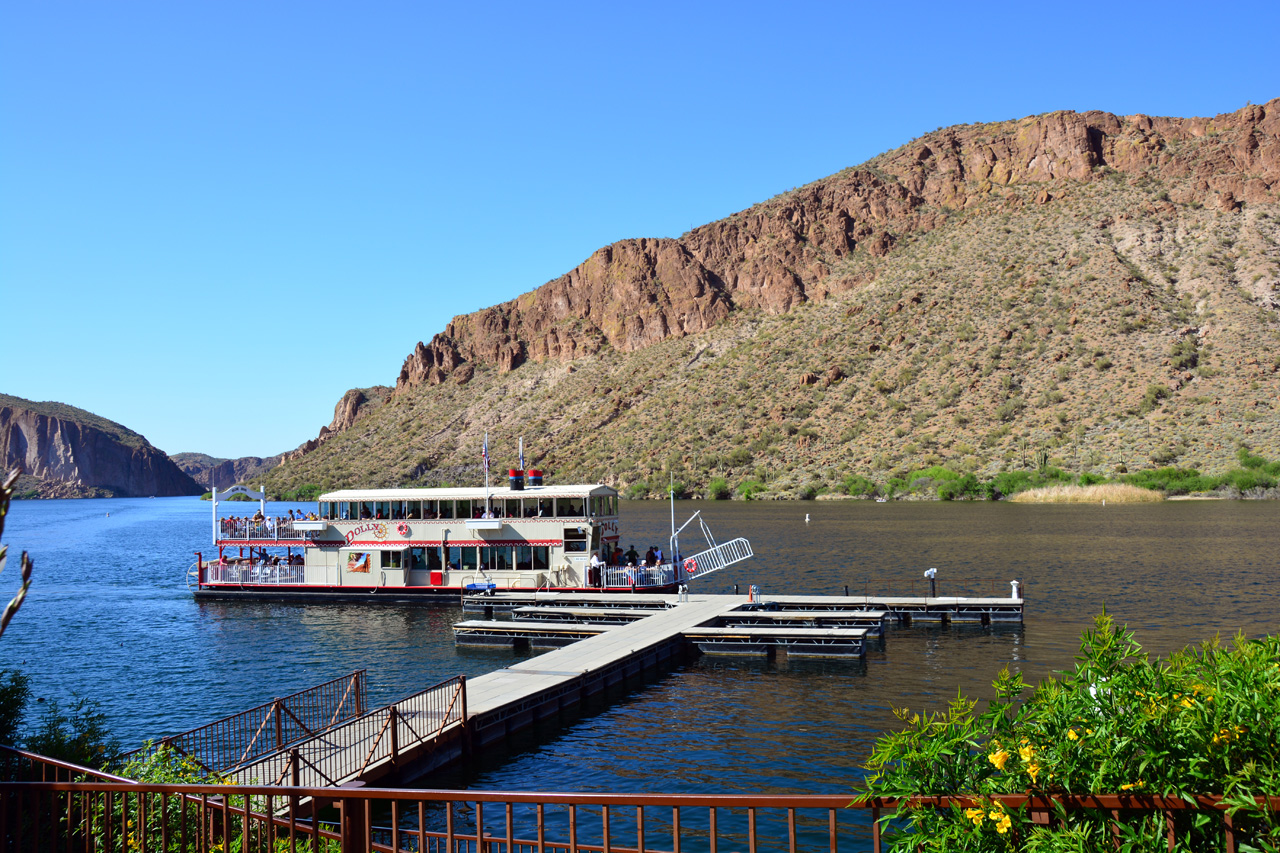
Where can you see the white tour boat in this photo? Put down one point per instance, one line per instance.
(400, 545)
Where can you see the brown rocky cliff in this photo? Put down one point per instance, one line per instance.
(354, 404)
(778, 254)
(61, 450)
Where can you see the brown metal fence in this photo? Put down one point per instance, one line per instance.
(241, 738)
(47, 805)
(78, 817)
(345, 752)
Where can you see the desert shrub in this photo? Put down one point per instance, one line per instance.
(936, 473)
(718, 489)
(637, 491)
(1090, 479)
(1245, 479)
(1184, 355)
(1172, 481)
(1152, 398)
(1248, 460)
(961, 488)
(1204, 721)
(856, 484)
(750, 489)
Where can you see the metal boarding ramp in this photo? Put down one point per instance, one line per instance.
(717, 557)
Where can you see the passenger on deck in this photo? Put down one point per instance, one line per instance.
(632, 555)
(364, 512)
(616, 557)
(650, 558)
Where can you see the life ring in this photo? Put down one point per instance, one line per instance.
(690, 566)
(402, 529)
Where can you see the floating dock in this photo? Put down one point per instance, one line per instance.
(599, 641)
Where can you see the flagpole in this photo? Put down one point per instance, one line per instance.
(487, 507)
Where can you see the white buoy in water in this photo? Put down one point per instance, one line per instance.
(806, 518)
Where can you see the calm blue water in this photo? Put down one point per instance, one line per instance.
(110, 617)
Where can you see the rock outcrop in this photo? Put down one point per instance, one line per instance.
(77, 452)
(778, 254)
(211, 471)
(1136, 206)
(354, 404)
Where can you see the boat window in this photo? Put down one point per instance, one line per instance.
(569, 507)
(392, 559)
(495, 558)
(512, 508)
(366, 509)
(382, 509)
(464, 558)
(415, 509)
(532, 558)
(430, 509)
(324, 509)
(463, 509)
(446, 509)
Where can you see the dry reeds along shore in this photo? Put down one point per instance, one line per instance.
(1113, 492)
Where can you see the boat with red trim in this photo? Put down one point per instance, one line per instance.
(398, 545)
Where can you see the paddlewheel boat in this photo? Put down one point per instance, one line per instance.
(398, 545)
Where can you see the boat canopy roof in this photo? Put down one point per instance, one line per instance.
(473, 494)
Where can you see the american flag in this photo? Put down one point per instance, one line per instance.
(484, 453)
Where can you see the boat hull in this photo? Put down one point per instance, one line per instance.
(377, 595)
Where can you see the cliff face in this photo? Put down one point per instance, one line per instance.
(209, 471)
(78, 457)
(1103, 289)
(779, 254)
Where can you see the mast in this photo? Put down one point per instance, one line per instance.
(484, 454)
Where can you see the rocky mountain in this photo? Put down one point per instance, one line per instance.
(1099, 288)
(210, 470)
(68, 452)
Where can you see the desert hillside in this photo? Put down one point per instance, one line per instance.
(1085, 290)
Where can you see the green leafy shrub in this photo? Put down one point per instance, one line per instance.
(856, 485)
(78, 735)
(1206, 721)
(1248, 460)
(961, 488)
(1090, 479)
(750, 489)
(718, 489)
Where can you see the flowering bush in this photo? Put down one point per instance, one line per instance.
(1206, 721)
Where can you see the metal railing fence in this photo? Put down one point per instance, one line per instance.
(107, 816)
(344, 752)
(241, 738)
(278, 529)
(255, 572)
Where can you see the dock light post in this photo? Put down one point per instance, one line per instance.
(1015, 585)
(932, 575)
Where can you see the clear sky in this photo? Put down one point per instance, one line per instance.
(215, 218)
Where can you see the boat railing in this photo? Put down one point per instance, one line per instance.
(275, 529)
(254, 572)
(625, 577)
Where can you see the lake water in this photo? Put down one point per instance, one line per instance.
(110, 617)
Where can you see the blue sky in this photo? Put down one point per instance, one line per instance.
(215, 218)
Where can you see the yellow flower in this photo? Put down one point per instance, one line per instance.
(1025, 753)
(995, 814)
(998, 758)
(1088, 731)
(1071, 735)
(974, 815)
(1187, 703)
(1033, 770)
(1131, 785)
(1002, 825)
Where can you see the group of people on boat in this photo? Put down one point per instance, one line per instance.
(240, 527)
(630, 557)
(261, 558)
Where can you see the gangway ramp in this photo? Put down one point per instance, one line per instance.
(716, 558)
